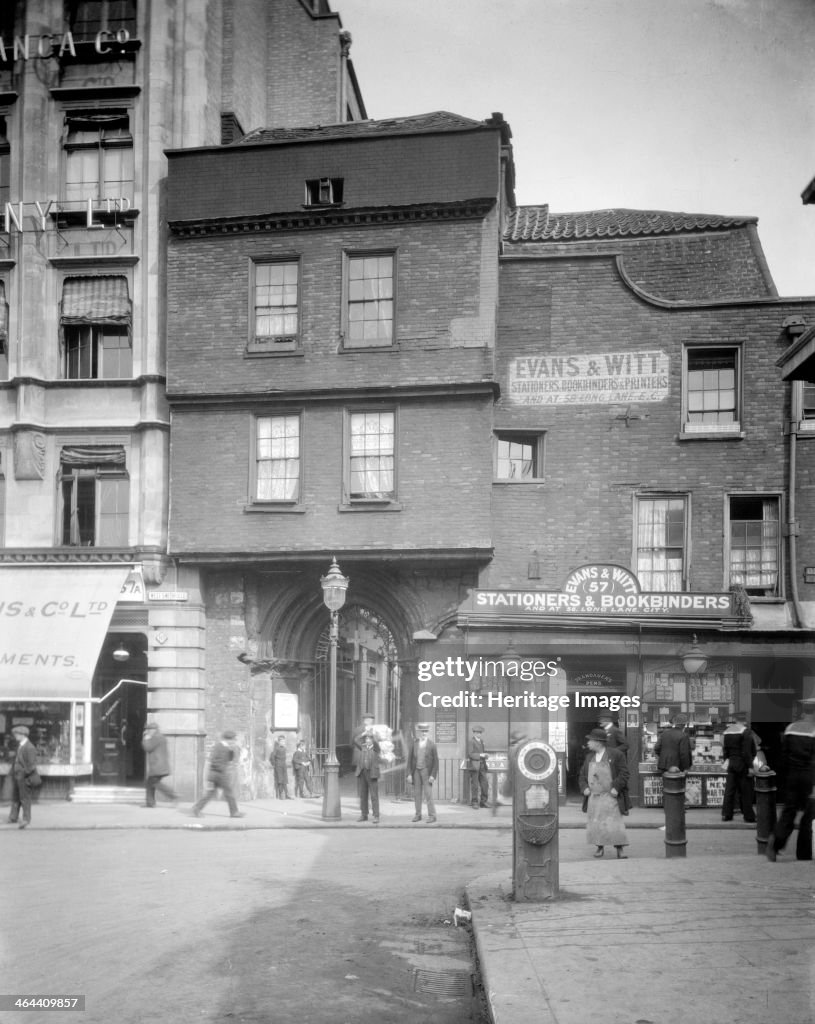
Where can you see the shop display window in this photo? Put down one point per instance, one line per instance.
(49, 725)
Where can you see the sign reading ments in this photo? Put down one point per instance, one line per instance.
(602, 590)
(595, 379)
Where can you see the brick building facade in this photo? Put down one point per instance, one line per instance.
(564, 438)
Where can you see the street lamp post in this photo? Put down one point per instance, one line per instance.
(334, 586)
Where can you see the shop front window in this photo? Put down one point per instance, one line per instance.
(49, 731)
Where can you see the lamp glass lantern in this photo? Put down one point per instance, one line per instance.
(694, 660)
(334, 586)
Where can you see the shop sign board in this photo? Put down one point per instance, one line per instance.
(53, 622)
(596, 378)
(601, 590)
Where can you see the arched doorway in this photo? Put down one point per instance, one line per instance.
(368, 680)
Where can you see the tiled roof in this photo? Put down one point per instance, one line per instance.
(538, 224)
(438, 120)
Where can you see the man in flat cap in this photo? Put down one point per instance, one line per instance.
(423, 768)
(798, 758)
(477, 768)
(23, 771)
(219, 775)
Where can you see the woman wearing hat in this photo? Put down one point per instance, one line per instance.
(603, 779)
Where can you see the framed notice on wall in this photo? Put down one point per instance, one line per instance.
(286, 711)
(446, 727)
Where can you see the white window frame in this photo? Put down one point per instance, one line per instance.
(708, 430)
(265, 453)
(350, 299)
(275, 342)
(352, 454)
(640, 500)
(776, 567)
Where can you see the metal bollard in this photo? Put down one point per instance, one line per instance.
(765, 807)
(673, 803)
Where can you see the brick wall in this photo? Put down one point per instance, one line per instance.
(443, 299)
(443, 473)
(595, 462)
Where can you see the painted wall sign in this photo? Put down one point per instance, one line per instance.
(602, 590)
(593, 379)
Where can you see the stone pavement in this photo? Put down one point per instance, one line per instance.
(649, 941)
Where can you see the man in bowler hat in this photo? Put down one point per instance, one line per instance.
(423, 767)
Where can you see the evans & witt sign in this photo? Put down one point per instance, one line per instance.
(599, 590)
(594, 379)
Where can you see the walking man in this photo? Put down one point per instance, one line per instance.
(798, 756)
(219, 775)
(22, 770)
(154, 744)
(739, 747)
(423, 767)
(477, 769)
(367, 773)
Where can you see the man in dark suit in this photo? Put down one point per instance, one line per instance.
(367, 773)
(673, 747)
(154, 744)
(616, 740)
(477, 768)
(219, 775)
(25, 764)
(423, 768)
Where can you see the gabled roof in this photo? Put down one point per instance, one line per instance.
(538, 224)
(437, 121)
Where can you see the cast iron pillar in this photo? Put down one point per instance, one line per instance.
(535, 858)
(765, 807)
(673, 803)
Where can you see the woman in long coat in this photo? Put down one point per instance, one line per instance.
(603, 779)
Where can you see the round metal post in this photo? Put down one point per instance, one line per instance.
(673, 803)
(332, 808)
(765, 807)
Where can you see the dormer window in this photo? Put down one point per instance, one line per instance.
(324, 191)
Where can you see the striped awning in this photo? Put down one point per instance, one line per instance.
(96, 300)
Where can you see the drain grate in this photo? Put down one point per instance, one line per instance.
(443, 983)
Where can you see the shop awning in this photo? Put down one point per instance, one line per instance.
(53, 621)
(97, 300)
